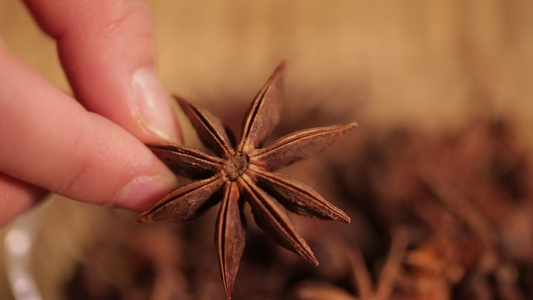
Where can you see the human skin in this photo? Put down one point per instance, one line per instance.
(90, 146)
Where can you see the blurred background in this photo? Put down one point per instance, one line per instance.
(430, 65)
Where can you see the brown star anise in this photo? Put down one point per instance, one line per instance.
(244, 172)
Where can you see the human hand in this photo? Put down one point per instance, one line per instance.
(95, 152)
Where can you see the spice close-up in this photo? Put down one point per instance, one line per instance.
(243, 172)
(266, 150)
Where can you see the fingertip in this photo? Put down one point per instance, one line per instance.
(144, 191)
(152, 106)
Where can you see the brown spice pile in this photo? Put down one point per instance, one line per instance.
(445, 216)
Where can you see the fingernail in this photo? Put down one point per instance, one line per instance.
(152, 104)
(143, 192)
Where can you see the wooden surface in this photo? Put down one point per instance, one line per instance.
(401, 59)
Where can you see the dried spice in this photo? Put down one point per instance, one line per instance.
(243, 172)
(464, 198)
(362, 281)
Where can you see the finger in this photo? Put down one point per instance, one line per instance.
(51, 141)
(107, 50)
(16, 197)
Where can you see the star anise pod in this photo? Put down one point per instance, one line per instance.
(244, 172)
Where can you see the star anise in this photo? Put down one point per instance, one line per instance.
(244, 172)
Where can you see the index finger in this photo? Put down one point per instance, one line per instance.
(108, 52)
